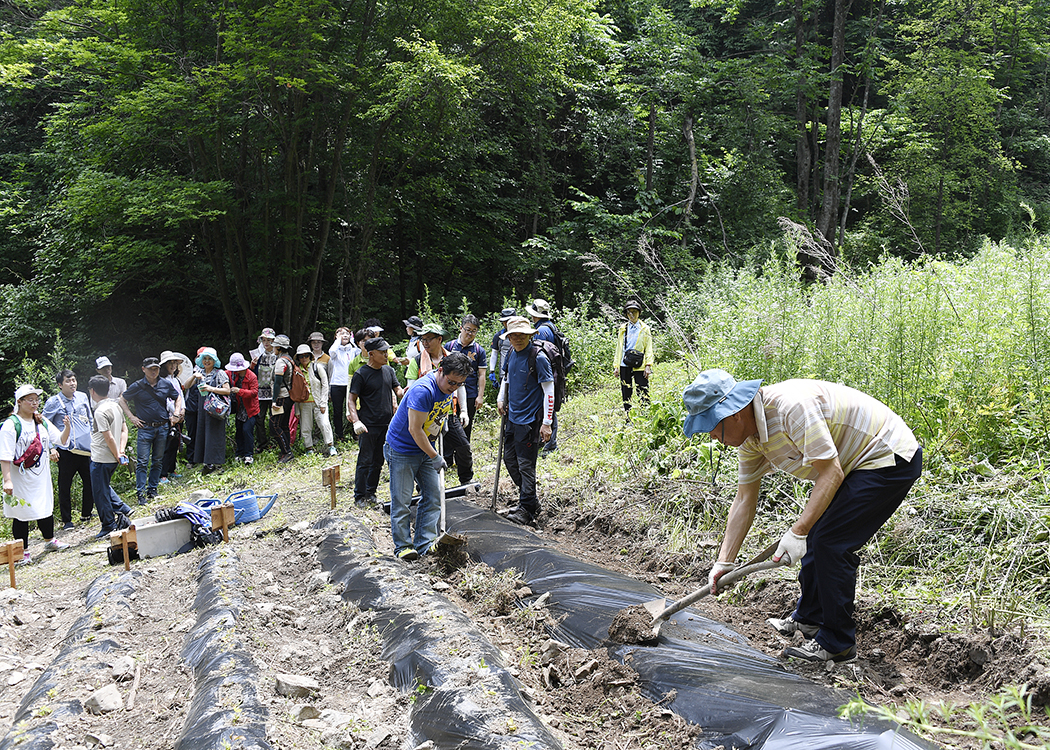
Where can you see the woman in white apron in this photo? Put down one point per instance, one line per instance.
(28, 492)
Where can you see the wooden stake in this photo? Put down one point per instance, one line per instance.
(330, 478)
(124, 546)
(134, 687)
(223, 518)
(14, 552)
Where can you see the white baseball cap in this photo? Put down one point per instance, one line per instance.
(25, 390)
(102, 362)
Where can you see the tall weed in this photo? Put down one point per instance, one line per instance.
(958, 349)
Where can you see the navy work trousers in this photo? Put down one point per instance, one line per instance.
(828, 576)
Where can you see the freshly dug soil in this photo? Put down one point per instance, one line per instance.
(632, 625)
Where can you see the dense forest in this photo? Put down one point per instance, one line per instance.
(175, 172)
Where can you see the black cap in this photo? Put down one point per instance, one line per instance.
(413, 321)
(373, 345)
(151, 362)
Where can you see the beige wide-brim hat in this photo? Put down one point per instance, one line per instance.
(540, 308)
(518, 324)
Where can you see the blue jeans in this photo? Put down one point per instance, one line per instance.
(151, 440)
(405, 471)
(107, 501)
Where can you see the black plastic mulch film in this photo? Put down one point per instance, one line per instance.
(741, 697)
(225, 710)
(464, 697)
(83, 650)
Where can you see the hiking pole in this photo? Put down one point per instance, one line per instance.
(499, 461)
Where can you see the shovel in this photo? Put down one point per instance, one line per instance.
(660, 611)
(452, 540)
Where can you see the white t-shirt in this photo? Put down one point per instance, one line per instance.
(33, 497)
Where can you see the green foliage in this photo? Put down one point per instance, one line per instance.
(962, 360)
(41, 373)
(1008, 720)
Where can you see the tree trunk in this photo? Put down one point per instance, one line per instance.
(938, 214)
(858, 141)
(803, 154)
(827, 221)
(694, 178)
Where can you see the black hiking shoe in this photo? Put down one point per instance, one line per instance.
(522, 516)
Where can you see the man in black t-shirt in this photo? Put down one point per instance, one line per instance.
(375, 384)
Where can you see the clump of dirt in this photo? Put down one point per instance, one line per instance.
(489, 590)
(594, 697)
(632, 625)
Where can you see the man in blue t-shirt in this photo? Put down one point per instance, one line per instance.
(540, 312)
(526, 396)
(151, 417)
(410, 452)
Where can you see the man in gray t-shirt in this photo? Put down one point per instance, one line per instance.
(109, 440)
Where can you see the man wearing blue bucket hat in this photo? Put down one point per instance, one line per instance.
(862, 460)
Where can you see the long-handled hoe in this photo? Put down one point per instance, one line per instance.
(659, 610)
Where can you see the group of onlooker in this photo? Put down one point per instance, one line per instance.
(349, 392)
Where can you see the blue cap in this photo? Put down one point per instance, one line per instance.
(712, 397)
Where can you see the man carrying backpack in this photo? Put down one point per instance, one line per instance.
(540, 312)
(526, 397)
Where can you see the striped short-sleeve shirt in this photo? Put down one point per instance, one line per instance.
(800, 421)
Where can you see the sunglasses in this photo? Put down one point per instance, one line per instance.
(455, 383)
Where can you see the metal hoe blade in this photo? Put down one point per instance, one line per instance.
(660, 611)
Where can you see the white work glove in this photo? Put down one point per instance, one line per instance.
(359, 427)
(719, 570)
(791, 549)
(464, 419)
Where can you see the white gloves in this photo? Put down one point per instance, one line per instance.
(791, 549)
(464, 419)
(719, 570)
(359, 427)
